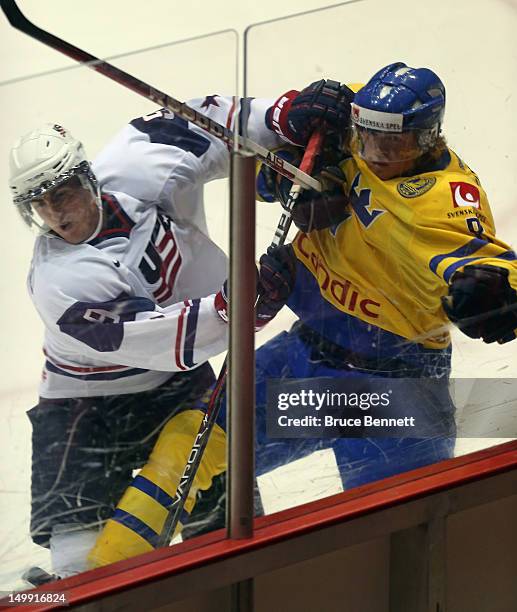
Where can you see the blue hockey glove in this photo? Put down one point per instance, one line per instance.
(295, 115)
(475, 293)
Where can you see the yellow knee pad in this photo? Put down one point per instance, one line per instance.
(141, 513)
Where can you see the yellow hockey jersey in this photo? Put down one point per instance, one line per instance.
(389, 262)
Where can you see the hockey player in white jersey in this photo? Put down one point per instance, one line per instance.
(127, 284)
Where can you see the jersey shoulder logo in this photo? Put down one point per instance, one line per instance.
(416, 186)
(465, 194)
(210, 101)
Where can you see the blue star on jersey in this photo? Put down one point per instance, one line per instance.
(210, 101)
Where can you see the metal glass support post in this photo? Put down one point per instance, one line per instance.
(241, 370)
(241, 363)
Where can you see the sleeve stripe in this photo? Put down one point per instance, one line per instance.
(137, 526)
(449, 271)
(179, 339)
(467, 249)
(190, 336)
(106, 375)
(84, 369)
(463, 253)
(186, 335)
(158, 494)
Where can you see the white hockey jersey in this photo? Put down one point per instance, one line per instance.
(136, 302)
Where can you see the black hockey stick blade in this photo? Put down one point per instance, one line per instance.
(18, 20)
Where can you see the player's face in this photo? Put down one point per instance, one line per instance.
(388, 155)
(70, 210)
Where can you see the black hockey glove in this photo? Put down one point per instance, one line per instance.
(295, 115)
(275, 282)
(316, 211)
(277, 275)
(482, 303)
(313, 210)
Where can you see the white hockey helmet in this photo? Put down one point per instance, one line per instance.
(43, 159)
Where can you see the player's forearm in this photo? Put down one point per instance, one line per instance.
(257, 129)
(175, 338)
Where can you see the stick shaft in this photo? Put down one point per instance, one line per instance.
(307, 164)
(194, 460)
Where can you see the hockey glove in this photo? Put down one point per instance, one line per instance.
(482, 303)
(313, 210)
(317, 211)
(275, 281)
(295, 115)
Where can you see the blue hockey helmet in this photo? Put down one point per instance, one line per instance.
(417, 94)
(400, 99)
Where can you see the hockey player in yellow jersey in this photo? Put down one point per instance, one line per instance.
(385, 260)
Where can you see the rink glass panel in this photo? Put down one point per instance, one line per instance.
(347, 43)
(94, 109)
(350, 43)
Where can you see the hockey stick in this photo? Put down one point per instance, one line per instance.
(307, 164)
(18, 20)
(214, 404)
